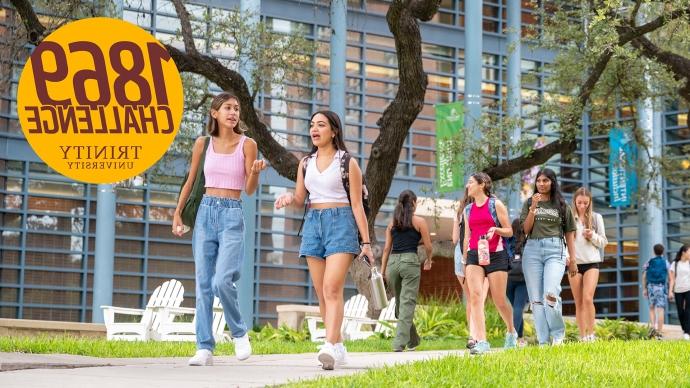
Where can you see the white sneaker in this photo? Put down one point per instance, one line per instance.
(243, 349)
(686, 337)
(203, 357)
(327, 356)
(340, 354)
(557, 341)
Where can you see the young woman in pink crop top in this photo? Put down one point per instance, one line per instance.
(218, 240)
(329, 240)
(487, 216)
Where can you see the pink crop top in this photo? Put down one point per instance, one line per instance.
(225, 171)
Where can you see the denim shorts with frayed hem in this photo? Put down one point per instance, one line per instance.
(329, 231)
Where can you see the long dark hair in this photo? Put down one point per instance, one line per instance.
(681, 251)
(519, 235)
(336, 127)
(216, 103)
(404, 210)
(482, 177)
(555, 196)
(462, 203)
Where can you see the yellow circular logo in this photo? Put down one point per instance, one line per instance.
(104, 109)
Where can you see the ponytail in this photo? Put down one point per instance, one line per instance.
(404, 210)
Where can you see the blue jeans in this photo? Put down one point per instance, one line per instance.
(517, 295)
(329, 231)
(218, 247)
(543, 263)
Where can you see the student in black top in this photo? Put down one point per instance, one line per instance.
(403, 269)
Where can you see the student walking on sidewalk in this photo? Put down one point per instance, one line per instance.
(335, 215)
(402, 267)
(655, 277)
(680, 288)
(516, 289)
(548, 222)
(487, 220)
(458, 237)
(590, 240)
(230, 166)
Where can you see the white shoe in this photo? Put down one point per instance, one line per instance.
(686, 337)
(203, 357)
(340, 354)
(243, 349)
(327, 356)
(557, 341)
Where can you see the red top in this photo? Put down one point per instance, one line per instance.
(480, 222)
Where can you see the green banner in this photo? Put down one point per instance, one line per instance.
(449, 158)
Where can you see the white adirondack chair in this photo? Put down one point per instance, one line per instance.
(186, 331)
(355, 307)
(382, 325)
(168, 294)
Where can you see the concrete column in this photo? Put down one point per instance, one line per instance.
(252, 10)
(104, 251)
(104, 257)
(337, 76)
(514, 100)
(651, 216)
(473, 70)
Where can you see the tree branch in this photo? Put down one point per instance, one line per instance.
(185, 27)
(565, 144)
(397, 118)
(679, 65)
(34, 28)
(282, 160)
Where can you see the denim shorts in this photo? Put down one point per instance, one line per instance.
(329, 231)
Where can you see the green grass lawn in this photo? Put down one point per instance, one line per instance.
(117, 349)
(599, 364)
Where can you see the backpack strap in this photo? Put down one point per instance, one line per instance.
(345, 173)
(492, 210)
(305, 161)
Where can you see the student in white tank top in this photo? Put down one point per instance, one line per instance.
(680, 288)
(329, 241)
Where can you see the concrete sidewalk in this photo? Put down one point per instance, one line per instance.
(59, 370)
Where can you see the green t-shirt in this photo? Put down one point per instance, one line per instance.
(547, 220)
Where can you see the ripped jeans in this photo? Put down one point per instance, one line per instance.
(543, 263)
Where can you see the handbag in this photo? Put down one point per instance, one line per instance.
(191, 206)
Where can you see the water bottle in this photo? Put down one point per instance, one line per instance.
(378, 289)
(483, 250)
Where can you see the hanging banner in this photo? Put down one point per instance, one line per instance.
(622, 160)
(449, 159)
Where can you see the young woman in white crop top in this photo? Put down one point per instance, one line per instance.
(230, 166)
(589, 240)
(329, 241)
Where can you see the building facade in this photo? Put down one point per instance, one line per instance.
(47, 222)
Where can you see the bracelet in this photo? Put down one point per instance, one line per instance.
(366, 243)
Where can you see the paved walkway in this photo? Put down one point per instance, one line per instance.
(58, 370)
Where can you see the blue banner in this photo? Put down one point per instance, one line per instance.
(622, 161)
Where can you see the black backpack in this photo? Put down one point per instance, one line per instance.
(345, 176)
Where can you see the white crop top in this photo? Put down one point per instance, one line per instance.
(326, 186)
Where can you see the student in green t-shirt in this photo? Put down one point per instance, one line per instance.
(548, 221)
